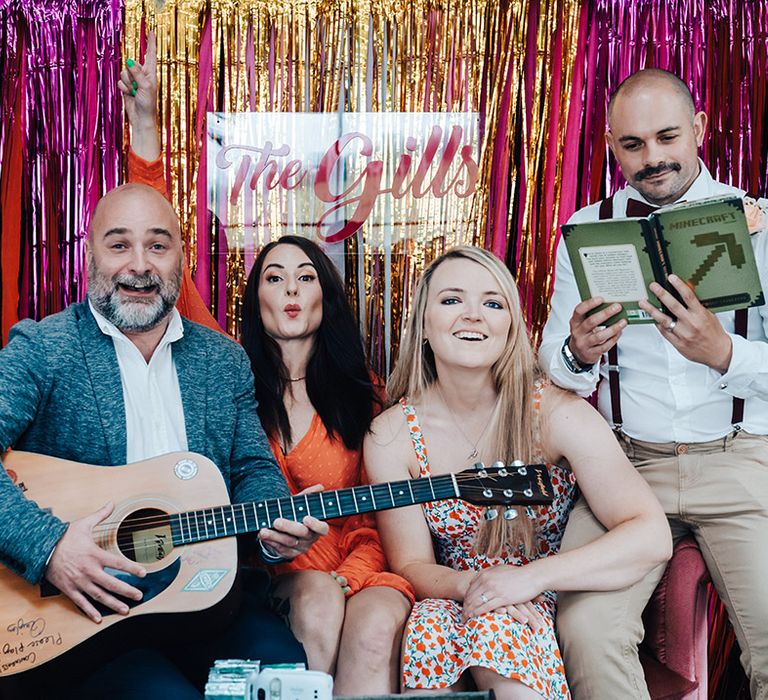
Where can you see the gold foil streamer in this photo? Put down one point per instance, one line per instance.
(390, 55)
(539, 245)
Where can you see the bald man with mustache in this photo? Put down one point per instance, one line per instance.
(690, 409)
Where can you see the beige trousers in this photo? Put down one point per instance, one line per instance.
(717, 491)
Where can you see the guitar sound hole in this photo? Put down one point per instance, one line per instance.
(145, 536)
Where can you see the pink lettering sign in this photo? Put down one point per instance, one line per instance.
(348, 179)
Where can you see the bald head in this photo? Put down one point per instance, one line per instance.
(653, 80)
(655, 134)
(120, 202)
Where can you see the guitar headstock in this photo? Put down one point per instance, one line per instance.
(514, 484)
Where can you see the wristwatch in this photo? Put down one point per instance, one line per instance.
(268, 556)
(571, 362)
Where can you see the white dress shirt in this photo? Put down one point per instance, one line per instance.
(154, 414)
(665, 397)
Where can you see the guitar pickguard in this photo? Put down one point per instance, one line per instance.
(153, 584)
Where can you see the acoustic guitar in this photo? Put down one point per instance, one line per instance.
(164, 518)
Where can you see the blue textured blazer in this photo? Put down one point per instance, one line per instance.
(61, 395)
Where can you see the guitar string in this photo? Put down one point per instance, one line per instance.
(161, 519)
(151, 547)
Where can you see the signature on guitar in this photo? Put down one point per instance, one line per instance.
(24, 651)
(35, 627)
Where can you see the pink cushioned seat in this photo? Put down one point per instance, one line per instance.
(674, 651)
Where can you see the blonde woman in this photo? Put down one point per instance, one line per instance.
(467, 391)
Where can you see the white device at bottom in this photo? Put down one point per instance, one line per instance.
(290, 684)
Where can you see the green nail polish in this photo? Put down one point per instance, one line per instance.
(134, 83)
(133, 92)
(130, 63)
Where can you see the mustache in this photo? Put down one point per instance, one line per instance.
(652, 170)
(146, 280)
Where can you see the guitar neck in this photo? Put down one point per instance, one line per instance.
(240, 518)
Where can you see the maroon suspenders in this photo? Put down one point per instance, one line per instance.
(606, 212)
(740, 327)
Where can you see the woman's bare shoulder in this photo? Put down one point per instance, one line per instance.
(568, 419)
(387, 426)
(555, 400)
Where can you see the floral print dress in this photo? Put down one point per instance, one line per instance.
(438, 646)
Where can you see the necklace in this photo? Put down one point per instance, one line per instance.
(296, 379)
(474, 453)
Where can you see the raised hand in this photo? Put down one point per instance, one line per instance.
(138, 84)
(697, 334)
(77, 568)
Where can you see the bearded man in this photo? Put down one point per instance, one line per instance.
(118, 379)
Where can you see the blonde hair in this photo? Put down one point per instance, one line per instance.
(513, 421)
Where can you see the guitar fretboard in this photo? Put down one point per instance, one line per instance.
(240, 518)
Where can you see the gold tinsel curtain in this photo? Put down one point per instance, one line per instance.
(510, 62)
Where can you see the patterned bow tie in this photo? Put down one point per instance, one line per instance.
(637, 208)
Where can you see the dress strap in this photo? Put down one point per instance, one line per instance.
(417, 437)
(536, 398)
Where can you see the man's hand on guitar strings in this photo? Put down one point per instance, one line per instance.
(288, 539)
(77, 566)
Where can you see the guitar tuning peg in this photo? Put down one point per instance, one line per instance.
(498, 464)
(522, 471)
(529, 512)
(488, 493)
(508, 493)
(510, 514)
(491, 514)
(528, 492)
(517, 463)
(478, 466)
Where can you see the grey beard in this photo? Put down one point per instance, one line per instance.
(132, 315)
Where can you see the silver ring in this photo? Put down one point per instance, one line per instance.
(484, 597)
(671, 326)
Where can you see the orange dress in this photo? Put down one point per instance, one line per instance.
(352, 547)
(190, 304)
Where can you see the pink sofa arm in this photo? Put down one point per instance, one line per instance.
(676, 627)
